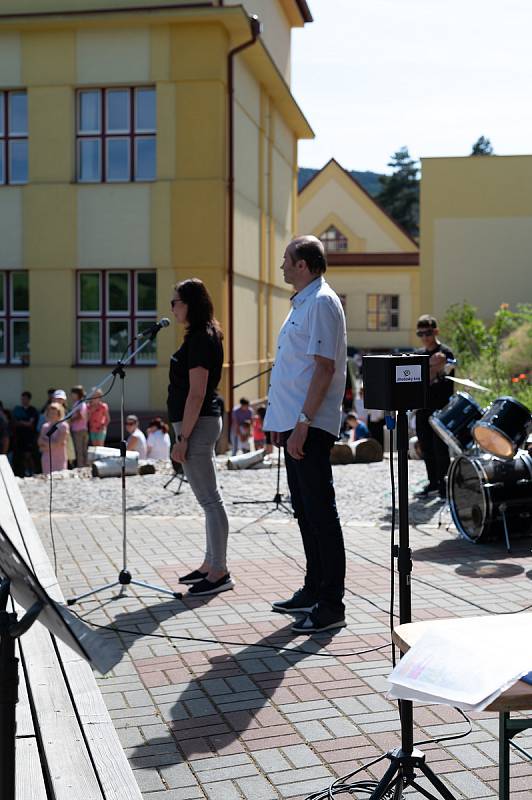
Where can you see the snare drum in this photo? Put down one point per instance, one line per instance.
(486, 492)
(503, 428)
(453, 423)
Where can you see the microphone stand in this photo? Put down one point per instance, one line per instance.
(124, 576)
(277, 498)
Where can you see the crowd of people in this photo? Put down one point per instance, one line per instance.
(38, 441)
(42, 441)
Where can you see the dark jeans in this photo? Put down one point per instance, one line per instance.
(312, 493)
(435, 451)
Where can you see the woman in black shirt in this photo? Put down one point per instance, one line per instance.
(194, 411)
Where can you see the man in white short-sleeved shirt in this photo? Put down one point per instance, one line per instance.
(304, 415)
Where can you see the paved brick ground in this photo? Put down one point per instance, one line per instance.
(201, 719)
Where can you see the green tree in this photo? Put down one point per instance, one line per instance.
(482, 147)
(399, 195)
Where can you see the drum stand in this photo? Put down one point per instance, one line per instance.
(406, 759)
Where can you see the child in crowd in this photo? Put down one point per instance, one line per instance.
(259, 437)
(99, 419)
(54, 448)
(79, 425)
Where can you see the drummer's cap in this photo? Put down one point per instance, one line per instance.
(426, 321)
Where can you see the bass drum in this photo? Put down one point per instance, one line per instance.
(483, 489)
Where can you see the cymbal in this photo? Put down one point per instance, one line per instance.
(467, 382)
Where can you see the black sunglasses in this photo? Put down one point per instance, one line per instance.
(425, 333)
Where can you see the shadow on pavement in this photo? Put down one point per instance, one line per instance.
(228, 701)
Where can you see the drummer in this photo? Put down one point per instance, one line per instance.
(435, 451)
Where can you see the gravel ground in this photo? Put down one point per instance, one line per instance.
(363, 493)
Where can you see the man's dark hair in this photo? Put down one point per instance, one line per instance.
(244, 401)
(426, 321)
(312, 253)
(26, 394)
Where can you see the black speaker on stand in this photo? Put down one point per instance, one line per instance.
(399, 384)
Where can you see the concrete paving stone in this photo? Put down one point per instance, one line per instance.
(176, 776)
(221, 762)
(304, 788)
(256, 788)
(301, 755)
(149, 781)
(469, 784)
(350, 705)
(341, 727)
(224, 790)
(469, 756)
(272, 760)
(137, 699)
(226, 773)
(186, 793)
(131, 737)
(313, 731)
(299, 775)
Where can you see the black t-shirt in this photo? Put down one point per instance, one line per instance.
(200, 349)
(441, 388)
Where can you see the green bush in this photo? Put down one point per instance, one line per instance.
(497, 355)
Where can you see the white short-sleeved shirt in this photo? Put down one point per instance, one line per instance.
(315, 326)
(140, 442)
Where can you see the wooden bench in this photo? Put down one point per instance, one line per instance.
(66, 747)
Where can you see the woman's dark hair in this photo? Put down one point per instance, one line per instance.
(158, 423)
(200, 313)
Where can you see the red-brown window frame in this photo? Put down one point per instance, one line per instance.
(339, 238)
(103, 136)
(104, 316)
(6, 137)
(377, 312)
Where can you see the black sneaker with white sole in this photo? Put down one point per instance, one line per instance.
(193, 577)
(300, 602)
(205, 587)
(315, 623)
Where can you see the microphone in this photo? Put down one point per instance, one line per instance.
(154, 329)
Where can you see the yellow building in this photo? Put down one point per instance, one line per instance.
(476, 232)
(141, 142)
(373, 263)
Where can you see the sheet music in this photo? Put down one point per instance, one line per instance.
(463, 664)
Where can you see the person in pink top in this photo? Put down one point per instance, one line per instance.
(56, 445)
(99, 419)
(79, 425)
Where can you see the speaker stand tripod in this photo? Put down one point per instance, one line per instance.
(405, 760)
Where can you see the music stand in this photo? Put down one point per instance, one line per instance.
(21, 582)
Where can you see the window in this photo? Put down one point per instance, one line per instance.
(333, 240)
(14, 318)
(116, 131)
(383, 312)
(13, 137)
(113, 307)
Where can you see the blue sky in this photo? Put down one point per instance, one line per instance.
(434, 75)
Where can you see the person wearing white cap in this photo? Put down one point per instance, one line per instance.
(60, 397)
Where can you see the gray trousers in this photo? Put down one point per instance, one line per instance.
(200, 472)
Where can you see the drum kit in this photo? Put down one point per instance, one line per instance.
(489, 482)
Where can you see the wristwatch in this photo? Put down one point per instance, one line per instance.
(181, 438)
(304, 418)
